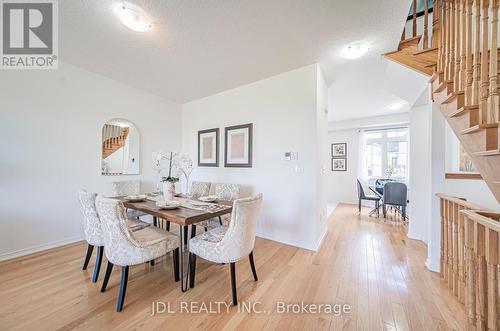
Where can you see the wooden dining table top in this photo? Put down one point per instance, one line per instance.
(181, 215)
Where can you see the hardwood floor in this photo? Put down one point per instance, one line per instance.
(365, 262)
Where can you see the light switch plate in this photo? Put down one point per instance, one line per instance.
(299, 169)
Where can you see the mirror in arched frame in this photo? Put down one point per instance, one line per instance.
(120, 148)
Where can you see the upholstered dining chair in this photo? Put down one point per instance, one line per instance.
(128, 187)
(228, 244)
(93, 231)
(125, 248)
(199, 189)
(227, 192)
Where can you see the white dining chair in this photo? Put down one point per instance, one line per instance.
(128, 187)
(228, 244)
(125, 248)
(199, 189)
(93, 231)
(227, 192)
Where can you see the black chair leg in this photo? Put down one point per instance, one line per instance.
(123, 289)
(90, 248)
(185, 235)
(109, 268)
(220, 220)
(403, 213)
(378, 208)
(252, 265)
(193, 231)
(155, 221)
(192, 269)
(359, 205)
(233, 283)
(98, 261)
(175, 258)
(168, 225)
(384, 210)
(206, 229)
(152, 262)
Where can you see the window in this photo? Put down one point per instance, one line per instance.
(385, 154)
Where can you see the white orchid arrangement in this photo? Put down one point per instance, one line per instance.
(178, 164)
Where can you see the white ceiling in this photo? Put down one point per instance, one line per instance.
(199, 48)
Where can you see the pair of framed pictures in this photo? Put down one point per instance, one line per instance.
(339, 157)
(237, 147)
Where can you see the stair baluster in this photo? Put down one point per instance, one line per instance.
(448, 40)
(481, 300)
(476, 82)
(493, 99)
(426, 24)
(485, 82)
(468, 54)
(435, 40)
(453, 43)
(463, 35)
(457, 19)
(492, 262)
(414, 32)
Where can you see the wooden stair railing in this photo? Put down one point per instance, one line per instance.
(114, 138)
(462, 59)
(470, 237)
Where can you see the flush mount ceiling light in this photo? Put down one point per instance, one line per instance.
(355, 50)
(396, 105)
(133, 17)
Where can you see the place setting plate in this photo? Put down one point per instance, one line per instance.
(135, 198)
(208, 198)
(168, 205)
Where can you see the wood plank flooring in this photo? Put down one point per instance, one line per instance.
(365, 262)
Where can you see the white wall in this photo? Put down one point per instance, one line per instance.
(342, 184)
(420, 171)
(321, 156)
(283, 111)
(50, 143)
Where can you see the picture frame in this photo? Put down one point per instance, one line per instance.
(339, 164)
(238, 146)
(208, 148)
(339, 150)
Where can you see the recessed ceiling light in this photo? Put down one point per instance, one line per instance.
(355, 50)
(396, 105)
(133, 17)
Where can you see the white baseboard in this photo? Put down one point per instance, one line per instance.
(298, 244)
(320, 240)
(432, 266)
(38, 248)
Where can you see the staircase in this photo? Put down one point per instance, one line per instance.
(113, 138)
(460, 55)
(456, 54)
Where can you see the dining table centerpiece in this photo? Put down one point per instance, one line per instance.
(172, 178)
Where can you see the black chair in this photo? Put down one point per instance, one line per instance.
(363, 196)
(395, 194)
(380, 183)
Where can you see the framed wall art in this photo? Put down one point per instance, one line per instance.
(238, 146)
(208, 148)
(339, 164)
(339, 150)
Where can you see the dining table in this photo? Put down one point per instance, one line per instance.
(190, 212)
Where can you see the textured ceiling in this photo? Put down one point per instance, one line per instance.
(199, 48)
